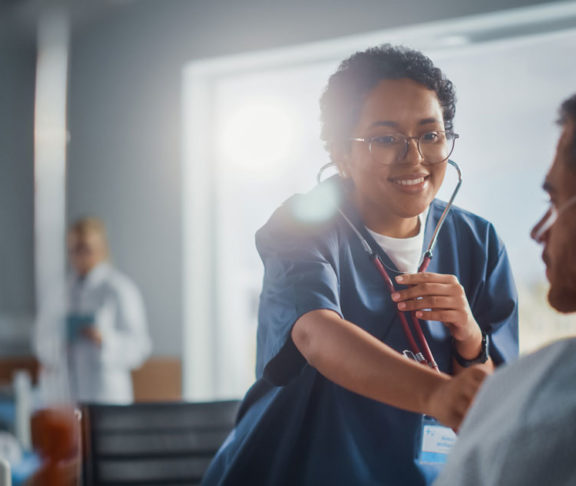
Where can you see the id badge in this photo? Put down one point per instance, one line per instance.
(436, 441)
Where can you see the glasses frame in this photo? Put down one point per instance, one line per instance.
(550, 217)
(449, 136)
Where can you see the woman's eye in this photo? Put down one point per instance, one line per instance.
(386, 140)
(431, 137)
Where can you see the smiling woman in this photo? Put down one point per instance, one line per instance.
(331, 379)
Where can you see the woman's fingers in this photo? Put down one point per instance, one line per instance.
(436, 297)
(429, 302)
(422, 284)
(422, 290)
(426, 277)
(447, 316)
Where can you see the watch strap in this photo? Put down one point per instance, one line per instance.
(481, 358)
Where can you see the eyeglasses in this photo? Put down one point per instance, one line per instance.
(434, 147)
(549, 218)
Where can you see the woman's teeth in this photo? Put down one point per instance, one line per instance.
(409, 182)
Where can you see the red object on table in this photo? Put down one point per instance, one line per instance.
(56, 439)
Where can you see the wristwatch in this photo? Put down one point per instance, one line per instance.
(481, 358)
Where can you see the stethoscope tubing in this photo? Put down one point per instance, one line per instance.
(422, 353)
(432, 244)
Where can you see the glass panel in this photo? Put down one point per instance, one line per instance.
(263, 146)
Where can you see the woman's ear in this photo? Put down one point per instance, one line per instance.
(342, 158)
(342, 161)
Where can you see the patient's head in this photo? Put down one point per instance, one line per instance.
(557, 229)
(87, 244)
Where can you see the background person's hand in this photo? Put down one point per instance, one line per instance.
(93, 334)
(450, 401)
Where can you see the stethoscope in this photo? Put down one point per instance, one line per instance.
(419, 352)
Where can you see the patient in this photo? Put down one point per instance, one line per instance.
(521, 429)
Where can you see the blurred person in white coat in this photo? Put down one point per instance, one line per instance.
(104, 334)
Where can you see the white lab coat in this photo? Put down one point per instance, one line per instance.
(98, 373)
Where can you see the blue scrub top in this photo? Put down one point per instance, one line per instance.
(296, 427)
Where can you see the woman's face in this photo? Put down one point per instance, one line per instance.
(389, 197)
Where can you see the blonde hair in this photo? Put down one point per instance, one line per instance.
(90, 225)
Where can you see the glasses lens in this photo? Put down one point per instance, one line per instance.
(388, 149)
(436, 147)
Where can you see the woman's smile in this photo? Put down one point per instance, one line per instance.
(410, 184)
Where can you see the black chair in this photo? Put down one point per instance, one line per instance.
(149, 444)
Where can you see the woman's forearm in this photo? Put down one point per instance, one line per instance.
(357, 361)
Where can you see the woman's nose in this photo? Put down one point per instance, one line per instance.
(411, 153)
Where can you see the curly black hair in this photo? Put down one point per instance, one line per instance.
(568, 111)
(343, 97)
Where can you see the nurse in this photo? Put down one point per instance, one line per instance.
(335, 402)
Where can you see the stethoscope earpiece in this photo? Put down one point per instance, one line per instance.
(322, 170)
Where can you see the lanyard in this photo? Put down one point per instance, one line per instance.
(420, 352)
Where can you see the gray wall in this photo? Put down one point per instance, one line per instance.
(17, 65)
(125, 117)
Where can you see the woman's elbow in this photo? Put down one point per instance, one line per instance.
(307, 334)
(302, 337)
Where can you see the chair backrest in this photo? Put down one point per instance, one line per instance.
(152, 443)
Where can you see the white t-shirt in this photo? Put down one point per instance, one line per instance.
(406, 253)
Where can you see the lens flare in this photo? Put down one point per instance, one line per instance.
(257, 138)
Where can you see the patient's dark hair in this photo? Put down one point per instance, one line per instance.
(568, 112)
(343, 98)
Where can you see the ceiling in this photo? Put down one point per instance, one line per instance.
(19, 17)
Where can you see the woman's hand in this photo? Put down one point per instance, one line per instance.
(450, 401)
(438, 297)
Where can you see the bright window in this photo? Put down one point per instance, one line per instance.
(252, 126)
